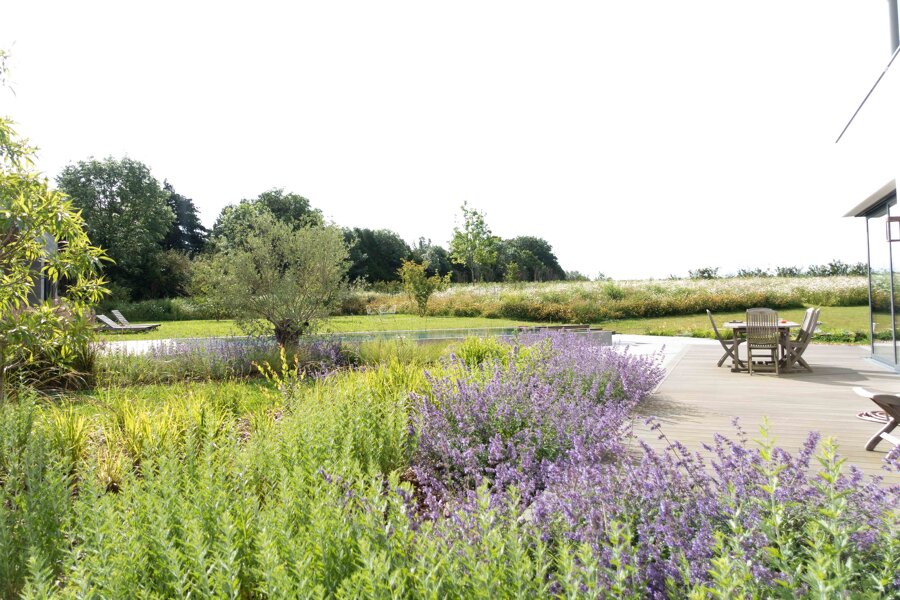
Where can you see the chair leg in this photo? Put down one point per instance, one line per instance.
(873, 441)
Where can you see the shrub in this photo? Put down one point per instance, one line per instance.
(505, 420)
(418, 285)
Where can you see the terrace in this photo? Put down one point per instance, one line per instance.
(697, 400)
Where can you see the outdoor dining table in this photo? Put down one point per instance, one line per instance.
(739, 328)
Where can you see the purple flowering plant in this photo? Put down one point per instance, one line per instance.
(507, 421)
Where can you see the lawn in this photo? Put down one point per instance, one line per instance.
(835, 320)
(197, 329)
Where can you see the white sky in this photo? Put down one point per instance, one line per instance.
(641, 139)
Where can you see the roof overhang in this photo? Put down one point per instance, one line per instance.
(866, 205)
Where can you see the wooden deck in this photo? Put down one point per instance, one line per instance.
(697, 400)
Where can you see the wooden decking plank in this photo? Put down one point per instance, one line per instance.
(698, 400)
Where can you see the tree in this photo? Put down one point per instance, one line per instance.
(235, 221)
(187, 234)
(532, 257)
(436, 257)
(418, 285)
(31, 214)
(279, 278)
(474, 246)
(375, 255)
(126, 212)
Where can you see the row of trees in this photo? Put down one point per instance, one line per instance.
(835, 268)
(152, 233)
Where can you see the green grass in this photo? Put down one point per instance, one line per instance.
(834, 320)
(844, 323)
(196, 329)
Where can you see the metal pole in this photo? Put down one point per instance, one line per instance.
(895, 29)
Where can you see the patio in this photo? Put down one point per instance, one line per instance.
(697, 400)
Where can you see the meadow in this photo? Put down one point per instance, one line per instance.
(605, 301)
(479, 468)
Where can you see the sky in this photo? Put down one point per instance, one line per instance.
(640, 139)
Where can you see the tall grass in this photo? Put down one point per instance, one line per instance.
(594, 302)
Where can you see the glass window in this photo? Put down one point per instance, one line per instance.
(881, 282)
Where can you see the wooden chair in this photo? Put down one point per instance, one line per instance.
(795, 347)
(763, 336)
(890, 404)
(729, 345)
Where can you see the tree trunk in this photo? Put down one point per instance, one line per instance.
(288, 333)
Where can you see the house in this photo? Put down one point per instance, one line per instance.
(43, 289)
(870, 156)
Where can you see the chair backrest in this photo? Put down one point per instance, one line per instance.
(119, 317)
(712, 322)
(108, 322)
(762, 326)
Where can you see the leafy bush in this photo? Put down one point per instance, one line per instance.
(704, 273)
(166, 309)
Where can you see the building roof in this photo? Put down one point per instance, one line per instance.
(882, 193)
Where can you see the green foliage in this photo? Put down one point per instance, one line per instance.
(126, 212)
(474, 246)
(42, 239)
(281, 278)
(236, 223)
(375, 255)
(704, 273)
(187, 234)
(533, 258)
(418, 286)
(576, 276)
(437, 257)
(474, 351)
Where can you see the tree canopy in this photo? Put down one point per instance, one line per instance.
(186, 234)
(126, 212)
(530, 257)
(473, 245)
(279, 278)
(375, 254)
(235, 221)
(436, 257)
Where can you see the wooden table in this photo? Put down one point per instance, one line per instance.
(739, 329)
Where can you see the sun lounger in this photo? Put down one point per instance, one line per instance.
(890, 404)
(110, 325)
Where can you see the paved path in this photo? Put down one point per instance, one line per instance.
(697, 400)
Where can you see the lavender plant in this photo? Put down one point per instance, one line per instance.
(507, 421)
(755, 522)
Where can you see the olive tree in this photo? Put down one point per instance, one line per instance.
(42, 238)
(280, 278)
